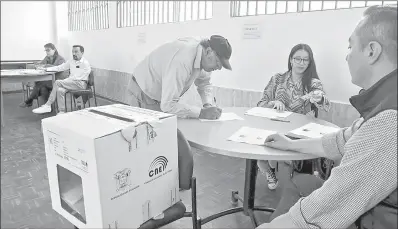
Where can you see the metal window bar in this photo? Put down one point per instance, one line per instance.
(136, 13)
(235, 7)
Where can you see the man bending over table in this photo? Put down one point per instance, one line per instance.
(79, 71)
(362, 190)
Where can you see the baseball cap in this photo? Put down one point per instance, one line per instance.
(221, 46)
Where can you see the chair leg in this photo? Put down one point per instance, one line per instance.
(95, 97)
(89, 105)
(74, 102)
(66, 107)
(195, 217)
(71, 98)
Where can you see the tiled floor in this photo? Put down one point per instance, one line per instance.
(25, 196)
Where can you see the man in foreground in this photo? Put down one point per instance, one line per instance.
(362, 190)
(79, 71)
(161, 79)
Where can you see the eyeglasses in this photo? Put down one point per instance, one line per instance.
(298, 60)
(47, 50)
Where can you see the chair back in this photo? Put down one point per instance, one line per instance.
(90, 82)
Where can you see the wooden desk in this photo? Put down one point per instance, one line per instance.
(212, 137)
(22, 76)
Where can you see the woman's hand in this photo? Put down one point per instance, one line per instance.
(278, 105)
(313, 97)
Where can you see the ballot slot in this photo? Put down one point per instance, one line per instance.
(71, 193)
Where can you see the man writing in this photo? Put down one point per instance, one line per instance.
(362, 190)
(159, 81)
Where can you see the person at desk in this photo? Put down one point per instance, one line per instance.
(43, 88)
(298, 90)
(168, 72)
(79, 72)
(361, 191)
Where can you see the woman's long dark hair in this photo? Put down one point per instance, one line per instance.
(52, 46)
(310, 73)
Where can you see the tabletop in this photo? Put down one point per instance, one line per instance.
(23, 72)
(212, 136)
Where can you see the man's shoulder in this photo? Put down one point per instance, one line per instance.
(85, 61)
(381, 119)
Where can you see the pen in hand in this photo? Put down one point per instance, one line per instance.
(279, 120)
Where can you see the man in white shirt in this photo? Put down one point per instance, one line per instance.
(168, 72)
(79, 71)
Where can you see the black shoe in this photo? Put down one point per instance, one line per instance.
(24, 104)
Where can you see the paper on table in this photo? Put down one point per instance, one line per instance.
(267, 112)
(224, 117)
(251, 136)
(313, 130)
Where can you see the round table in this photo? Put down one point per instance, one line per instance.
(211, 136)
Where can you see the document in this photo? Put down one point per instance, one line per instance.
(312, 130)
(267, 112)
(251, 136)
(224, 117)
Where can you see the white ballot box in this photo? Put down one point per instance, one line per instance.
(112, 166)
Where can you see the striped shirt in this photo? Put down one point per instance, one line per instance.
(282, 88)
(169, 71)
(367, 174)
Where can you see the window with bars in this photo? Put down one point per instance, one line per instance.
(250, 8)
(136, 13)
(88, 15)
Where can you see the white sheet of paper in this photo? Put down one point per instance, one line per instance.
(224, 117)
(267, 112)
(313, 130)
(251, 136)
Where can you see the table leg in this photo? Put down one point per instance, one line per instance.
(250, 185)
(2, 108)
(250, 189)
(248, 199)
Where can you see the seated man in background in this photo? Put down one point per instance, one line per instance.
(159, 81)
(362, 189)
(79, 71)
(43, 88)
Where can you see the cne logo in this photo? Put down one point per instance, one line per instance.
(158, 166)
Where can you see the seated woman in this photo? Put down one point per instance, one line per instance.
(298, 90)
(43, 88)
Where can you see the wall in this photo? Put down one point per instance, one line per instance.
(25, 28)
(253, 61)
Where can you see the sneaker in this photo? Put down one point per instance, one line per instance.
(43, 109)
(272, 180)
(24, 104)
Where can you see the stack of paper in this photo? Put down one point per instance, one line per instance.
(268, 112)
(312, 130)
(251, 136)
(224, 117)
